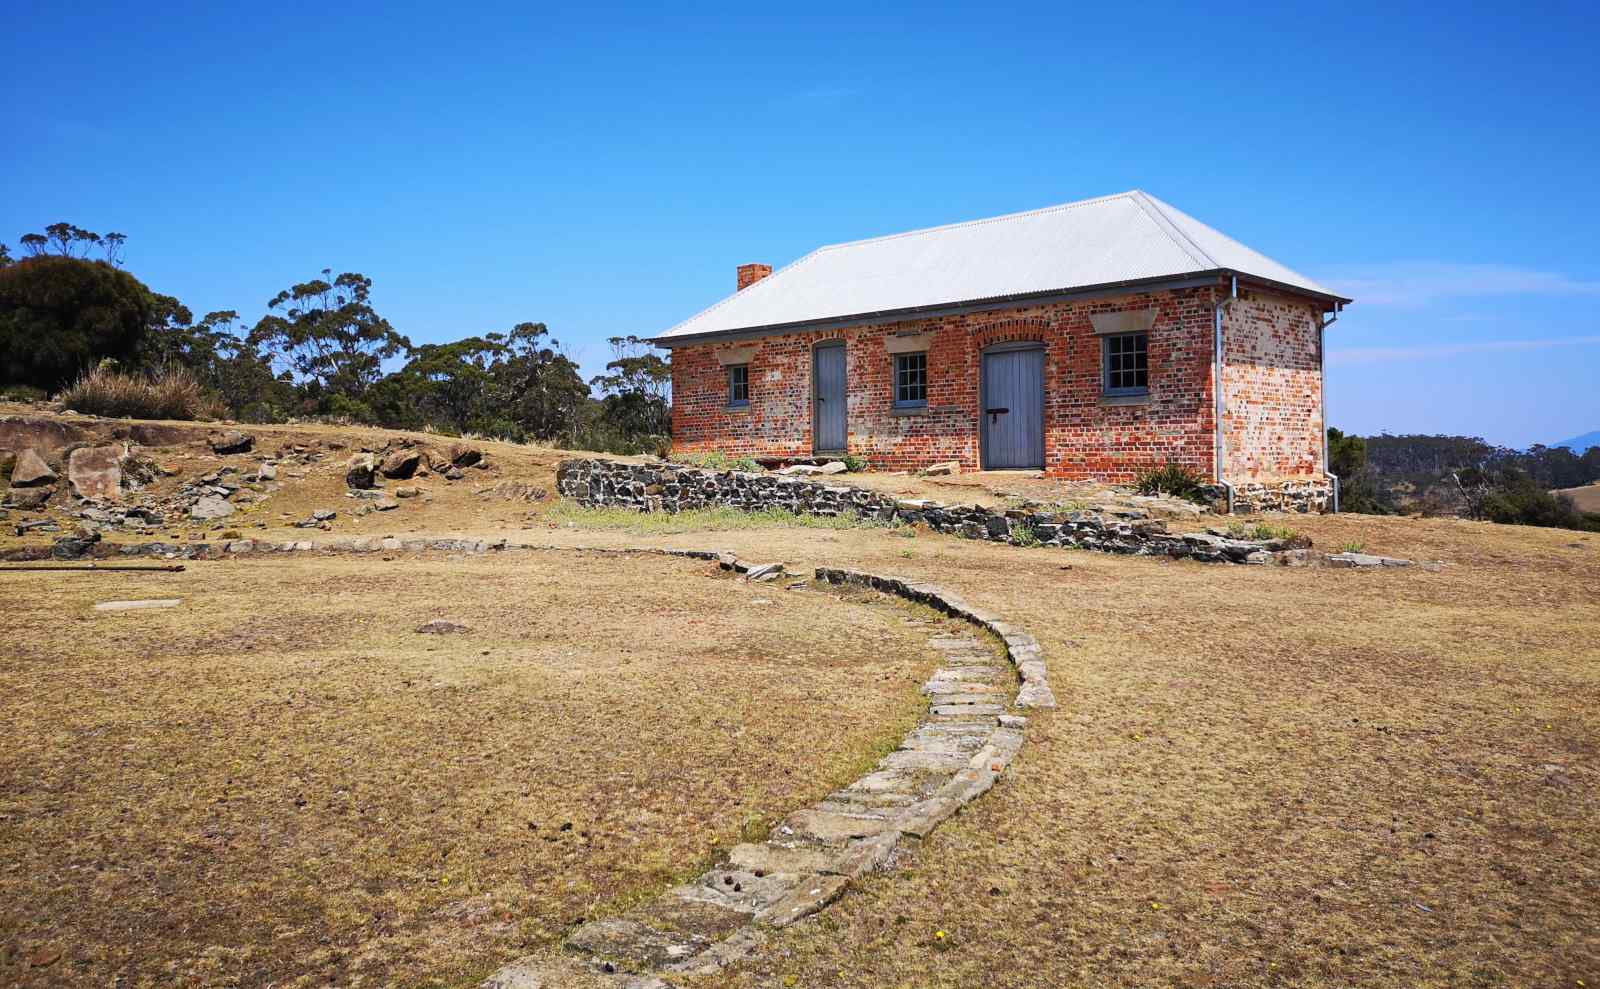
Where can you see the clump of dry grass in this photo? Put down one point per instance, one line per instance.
(171, 393)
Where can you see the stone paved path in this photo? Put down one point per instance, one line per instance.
(967, 738)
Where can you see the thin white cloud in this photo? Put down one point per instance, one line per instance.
(816, 98)
(1383, 355)
(1416, 284)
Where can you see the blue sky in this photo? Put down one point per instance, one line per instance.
(603, 170)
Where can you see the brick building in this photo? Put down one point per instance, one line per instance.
(1090, 340)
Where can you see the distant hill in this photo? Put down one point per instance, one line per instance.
(1578, 444)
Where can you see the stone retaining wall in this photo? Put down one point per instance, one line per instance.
(668, 487)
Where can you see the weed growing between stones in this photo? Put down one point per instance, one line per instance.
(716, 460)
(1261, 530)
(570, 513)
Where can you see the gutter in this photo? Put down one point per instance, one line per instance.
(1219, 446)
(1322, 362)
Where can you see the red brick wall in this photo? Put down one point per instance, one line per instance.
(1084, 436)
(1272, 388)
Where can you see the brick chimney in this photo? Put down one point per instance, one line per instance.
(749, 274)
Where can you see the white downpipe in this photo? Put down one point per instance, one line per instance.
(1322, 370)
(1220, 446)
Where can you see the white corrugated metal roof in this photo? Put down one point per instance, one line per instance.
(1127, 237)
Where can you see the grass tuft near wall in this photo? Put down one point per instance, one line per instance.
(567, 512)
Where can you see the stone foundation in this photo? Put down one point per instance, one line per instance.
(1302, 495)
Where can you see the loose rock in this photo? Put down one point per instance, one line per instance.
(401, 464)
(211, 507)
(30, 471)
(95, 472)
(361, 473)
(231, 441)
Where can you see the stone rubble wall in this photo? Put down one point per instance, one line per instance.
(668, 487)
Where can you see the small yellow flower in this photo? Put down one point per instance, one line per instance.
(1154, 905)
(939, 934)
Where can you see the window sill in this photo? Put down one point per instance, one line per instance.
(737, 408)
(1141, 399)
(908, 410)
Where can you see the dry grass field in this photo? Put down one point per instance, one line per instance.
(280, 782)
(1258, 776)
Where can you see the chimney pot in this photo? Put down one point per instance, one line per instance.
(749, 274)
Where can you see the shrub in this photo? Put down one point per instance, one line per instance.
(1173, 479)
(853, 463)
(59, 315)
(23, 393)
(172, 394)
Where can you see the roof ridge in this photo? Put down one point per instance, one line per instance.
(982, 220)
(1152, 208)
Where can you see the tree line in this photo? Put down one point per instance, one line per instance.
(321, 350)
(1462, 475)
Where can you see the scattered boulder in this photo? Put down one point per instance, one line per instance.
(267, 472)
(464, 456)
(517, 491)
(401, 464)
(1364, 560)
(385, 505)
(95, 472)
(210, 507)
(407, 492)
(948, 467)
(362, 472)
(231, 441)
(153, 434)
(441, 627)
(453, 474)
(30, 471)
(76, 546)
(28, 497)
(41, 433)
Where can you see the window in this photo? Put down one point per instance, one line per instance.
(738, 385)
(1127, 361)
(910, 381)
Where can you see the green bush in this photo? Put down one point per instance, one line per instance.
(853, 463)
(173, 393)
(23, 393)
(1173, 479)
(60, 315)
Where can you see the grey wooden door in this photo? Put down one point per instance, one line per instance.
(1012, 425)
(828, 387)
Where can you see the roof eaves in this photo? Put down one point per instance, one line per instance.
(1183, 280)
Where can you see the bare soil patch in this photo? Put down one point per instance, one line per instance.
(281, 782)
